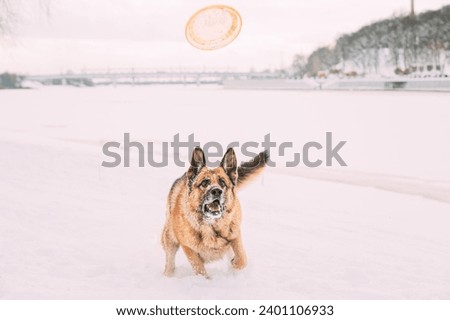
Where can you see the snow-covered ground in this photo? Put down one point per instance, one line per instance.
(379, 228)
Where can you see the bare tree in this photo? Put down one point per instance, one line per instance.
(7, 16)
(299, 68)
(12, 10)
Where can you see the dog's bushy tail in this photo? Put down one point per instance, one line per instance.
(249, 170)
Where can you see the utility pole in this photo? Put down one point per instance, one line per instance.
(412, 8)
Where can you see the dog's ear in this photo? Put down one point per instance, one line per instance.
(198, 161)
(229, 164)
(198, 158)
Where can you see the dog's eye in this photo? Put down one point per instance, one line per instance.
(222, 183)
(205, 183)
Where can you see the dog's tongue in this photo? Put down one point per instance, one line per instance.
(213, 206)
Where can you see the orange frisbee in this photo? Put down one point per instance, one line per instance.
(213, 27)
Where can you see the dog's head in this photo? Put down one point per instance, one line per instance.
(211, 191)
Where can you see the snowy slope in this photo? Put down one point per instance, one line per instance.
(70, 229)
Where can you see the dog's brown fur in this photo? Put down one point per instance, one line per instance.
(204, 239)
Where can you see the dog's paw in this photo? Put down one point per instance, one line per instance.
(207, 276)
(202, 273)
(238, 264)
(169, 272)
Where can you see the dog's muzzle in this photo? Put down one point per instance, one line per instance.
(213, 204)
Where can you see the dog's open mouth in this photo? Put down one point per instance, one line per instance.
(213, 209)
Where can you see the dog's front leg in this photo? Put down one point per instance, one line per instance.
(196, 261)
(240, 258)
(170, 247)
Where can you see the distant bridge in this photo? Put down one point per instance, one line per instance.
(149, 76)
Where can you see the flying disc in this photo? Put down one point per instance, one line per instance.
(213, 27)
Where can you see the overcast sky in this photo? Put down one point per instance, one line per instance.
(101, 34)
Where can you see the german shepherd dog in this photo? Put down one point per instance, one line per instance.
(204, 214)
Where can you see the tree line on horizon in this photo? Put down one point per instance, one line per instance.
(402, 44)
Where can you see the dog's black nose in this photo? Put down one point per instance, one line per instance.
(216, 192)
